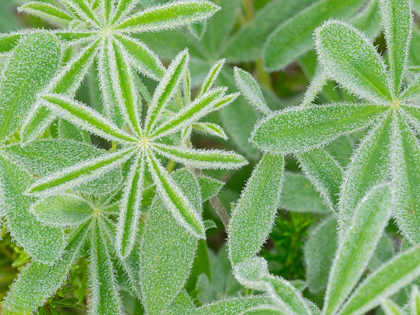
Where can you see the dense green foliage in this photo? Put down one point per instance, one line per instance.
(209, 157)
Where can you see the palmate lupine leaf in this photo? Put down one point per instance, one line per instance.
(202, 159)
(405, 167)
(233, 305)
(166, 89)
(38, 281)
(44, 244)
(167, 249)
(397, 22)
(304, 128)
(104, 297)
(184, 212)
(130, 207)
(294, 37)
(357, 246)
(29, 67)
(369, 167)
(253, 273)
(67, 81)
(62, 210)
(255, 212)
(360, 68)
(168, 16)
(387, 280)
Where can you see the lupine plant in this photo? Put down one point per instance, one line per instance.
(121, 192)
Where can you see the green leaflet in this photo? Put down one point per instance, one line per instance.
(357, 246)
(253, 273)
(166, 89)
(69, 131)
(209, 187)
(105, 298)
(219, 27)
(66, 82)
(247, 44)
(397, 22)
(30, 65)
(203, 159)
(366, 170)
(298, 195)
(263, 310)
(46, 11)
(415, 300)
(251, 90)
(125, 88)
(43, 243)
(233, 305)
(367, 79)
(166, 258)
(182, 209)
(130, 207)
(325, 174)
(405, 167)
(82, 9)
(239, 119)
(294, 37)
(62, 210)
(168, 16)
(123, 7)
(210, 129)
(85, 117)
(33, 287)
(182, 305)
(304, 128)
(9, 41)
(369, 20)
(105, 77)
(319, 253)
(384, 251)
(254, 214)
(390, 308)
(46, 157)
(192, 113)
(79, 173)
(211, 77)
(142, 57)
(387, 280)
